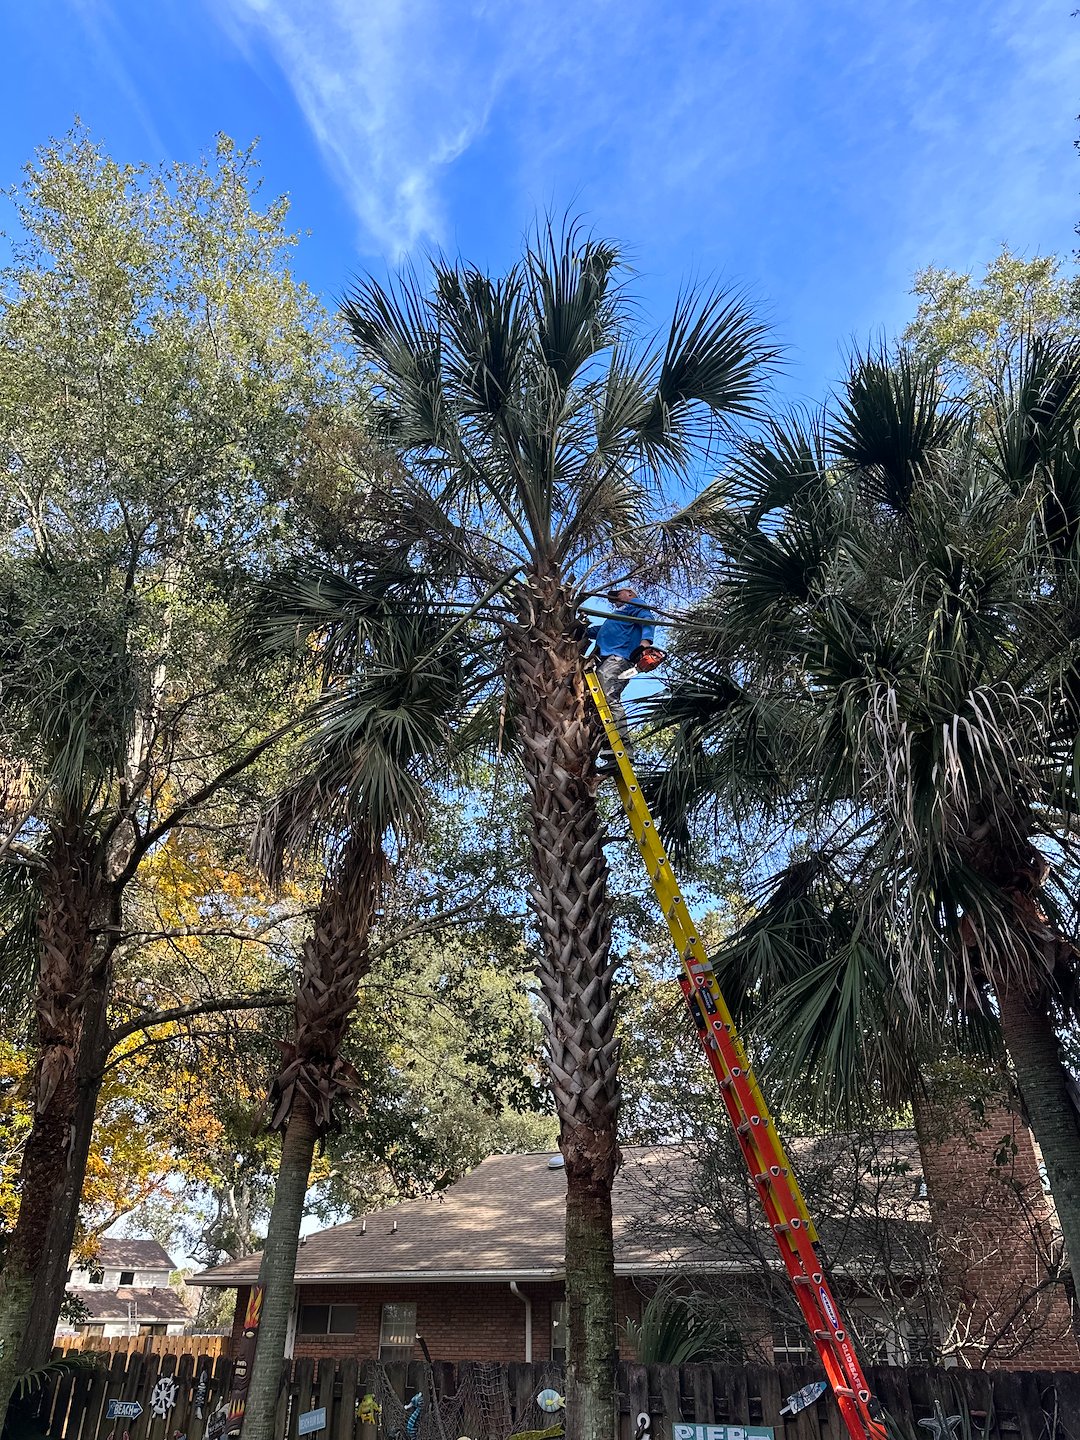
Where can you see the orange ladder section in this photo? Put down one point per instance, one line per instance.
(767, 1161)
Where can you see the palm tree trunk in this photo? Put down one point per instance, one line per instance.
(278, 1268)
(68, 992)
(334, 962)
(570, 901)
(1035, 1051)
(51, 1280)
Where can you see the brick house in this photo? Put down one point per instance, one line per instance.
(477, 1271)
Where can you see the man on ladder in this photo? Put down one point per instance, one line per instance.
(621, 645)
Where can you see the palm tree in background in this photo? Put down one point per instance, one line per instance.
(539, 438)
(378, 751)
(888, 667)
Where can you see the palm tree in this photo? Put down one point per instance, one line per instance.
(538, 439)
(888, 666)
(378, 751)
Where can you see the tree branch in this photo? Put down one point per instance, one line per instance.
(192, 803)
(261, 1000)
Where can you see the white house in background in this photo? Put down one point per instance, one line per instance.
(126, 1291)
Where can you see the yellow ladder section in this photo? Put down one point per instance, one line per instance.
(764, 1153)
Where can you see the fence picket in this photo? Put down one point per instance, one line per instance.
(635, 1386)
(701, 1390)
(763, 1382)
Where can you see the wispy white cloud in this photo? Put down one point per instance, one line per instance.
(818, 151)
(393, 90)
(105, 35)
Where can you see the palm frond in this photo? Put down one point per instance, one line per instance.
(397, 333)
(714, 364)
(574, 300)
(484, 329)
(378, 746)
(1036, 406)
(891, 423)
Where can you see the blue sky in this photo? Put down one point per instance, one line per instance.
(816, 152)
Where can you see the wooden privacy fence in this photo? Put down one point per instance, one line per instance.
(498, 1401)
(210, 1346)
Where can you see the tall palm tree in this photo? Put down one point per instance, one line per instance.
(68, 714)
(378, 751)
(889, 665)
(540, 437)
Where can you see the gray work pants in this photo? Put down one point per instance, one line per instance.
(615, 672)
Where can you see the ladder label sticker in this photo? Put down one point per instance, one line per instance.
(828, 1306)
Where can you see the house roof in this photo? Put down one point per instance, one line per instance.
(505, 1219)
(124, 1254)
(155, 1305)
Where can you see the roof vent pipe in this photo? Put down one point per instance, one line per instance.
(528, 1320)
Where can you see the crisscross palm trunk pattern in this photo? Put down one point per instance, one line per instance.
(570, 901)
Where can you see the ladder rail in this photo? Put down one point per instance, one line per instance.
(762, 1149)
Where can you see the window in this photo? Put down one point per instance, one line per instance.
(127, 1277)
(314, 1319)
(342, 1320)
(91, 1329)
(96, 1276)
(397, 1332)
(791, 1345)
(882, 1340)
(328, 1319)
(558, 1331)
(923, 1340)
(153, 1329)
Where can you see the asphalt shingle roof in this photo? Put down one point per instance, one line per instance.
(504, 1220)
(155, 1306)
(123, 1254)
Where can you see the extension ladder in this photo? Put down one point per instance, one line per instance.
(763, 1151)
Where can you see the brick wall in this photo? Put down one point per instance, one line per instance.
(458, 1322)
(995, 1241)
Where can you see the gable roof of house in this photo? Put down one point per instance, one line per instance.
(150, 1306)
(123, 1254)
(504, 1220)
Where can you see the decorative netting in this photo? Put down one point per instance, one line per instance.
(482, 1407)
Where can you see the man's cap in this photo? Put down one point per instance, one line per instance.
(620, 585)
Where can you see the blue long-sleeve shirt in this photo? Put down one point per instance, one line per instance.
(622, 632)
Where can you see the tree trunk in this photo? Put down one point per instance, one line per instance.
(69, 987)
(51, 1282)
(1035, 1051)
(278, 1268)
(570, 901)
(335, 960)
(590, 1294)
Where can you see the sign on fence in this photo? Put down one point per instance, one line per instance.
(123, 1410)
(310, 1421)
(722, 1432)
